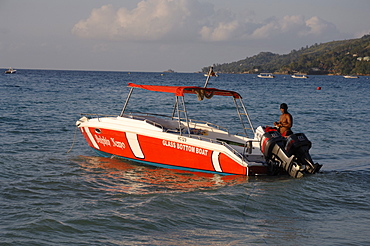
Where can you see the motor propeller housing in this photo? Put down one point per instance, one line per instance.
(290, 154)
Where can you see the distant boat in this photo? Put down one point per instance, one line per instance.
(266, 75)
(10, 70)
(169, 71)
(350, 77)
(299, 76)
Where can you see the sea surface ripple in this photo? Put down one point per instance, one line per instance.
(51, 197)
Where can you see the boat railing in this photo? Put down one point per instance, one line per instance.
(246, 148)
(135, 115)
(209, 124)
(165, 126)
(234, 151)
(98, 116)
(141, 116)
(149, 122)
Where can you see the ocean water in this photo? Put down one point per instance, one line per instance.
(54, 189)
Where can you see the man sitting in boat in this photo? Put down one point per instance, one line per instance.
(286, 121)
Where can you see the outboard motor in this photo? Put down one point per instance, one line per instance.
(290, 154)
(298, 145)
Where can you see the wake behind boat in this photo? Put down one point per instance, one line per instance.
(177, 141)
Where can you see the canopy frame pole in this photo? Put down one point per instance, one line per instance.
(127, 99)
(175, 107)
(210, 73)
(181, 100)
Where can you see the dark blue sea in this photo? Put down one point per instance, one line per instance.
(55, 190)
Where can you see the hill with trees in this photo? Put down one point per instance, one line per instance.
(338, 57)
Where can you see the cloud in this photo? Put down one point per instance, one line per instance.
(317, 26)
(295, 26)
(222, 32)
(185, 20)
(150, 20)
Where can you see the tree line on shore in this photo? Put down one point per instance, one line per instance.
(345, 57)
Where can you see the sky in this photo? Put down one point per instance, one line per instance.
(157, 35)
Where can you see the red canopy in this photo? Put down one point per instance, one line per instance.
(181, 90)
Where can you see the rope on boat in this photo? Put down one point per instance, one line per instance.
(74, 140)
(246, 201)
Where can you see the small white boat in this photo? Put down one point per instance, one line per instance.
(10, 71)
(265, 75)
(350, 77)
(299, 76)
(176, 141)
(169, 71)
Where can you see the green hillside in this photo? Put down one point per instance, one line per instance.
(337, 57)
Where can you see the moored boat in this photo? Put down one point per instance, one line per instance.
(265, 75)
(177, 141)
(299, 76)
(350, 77)
(10, 71)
